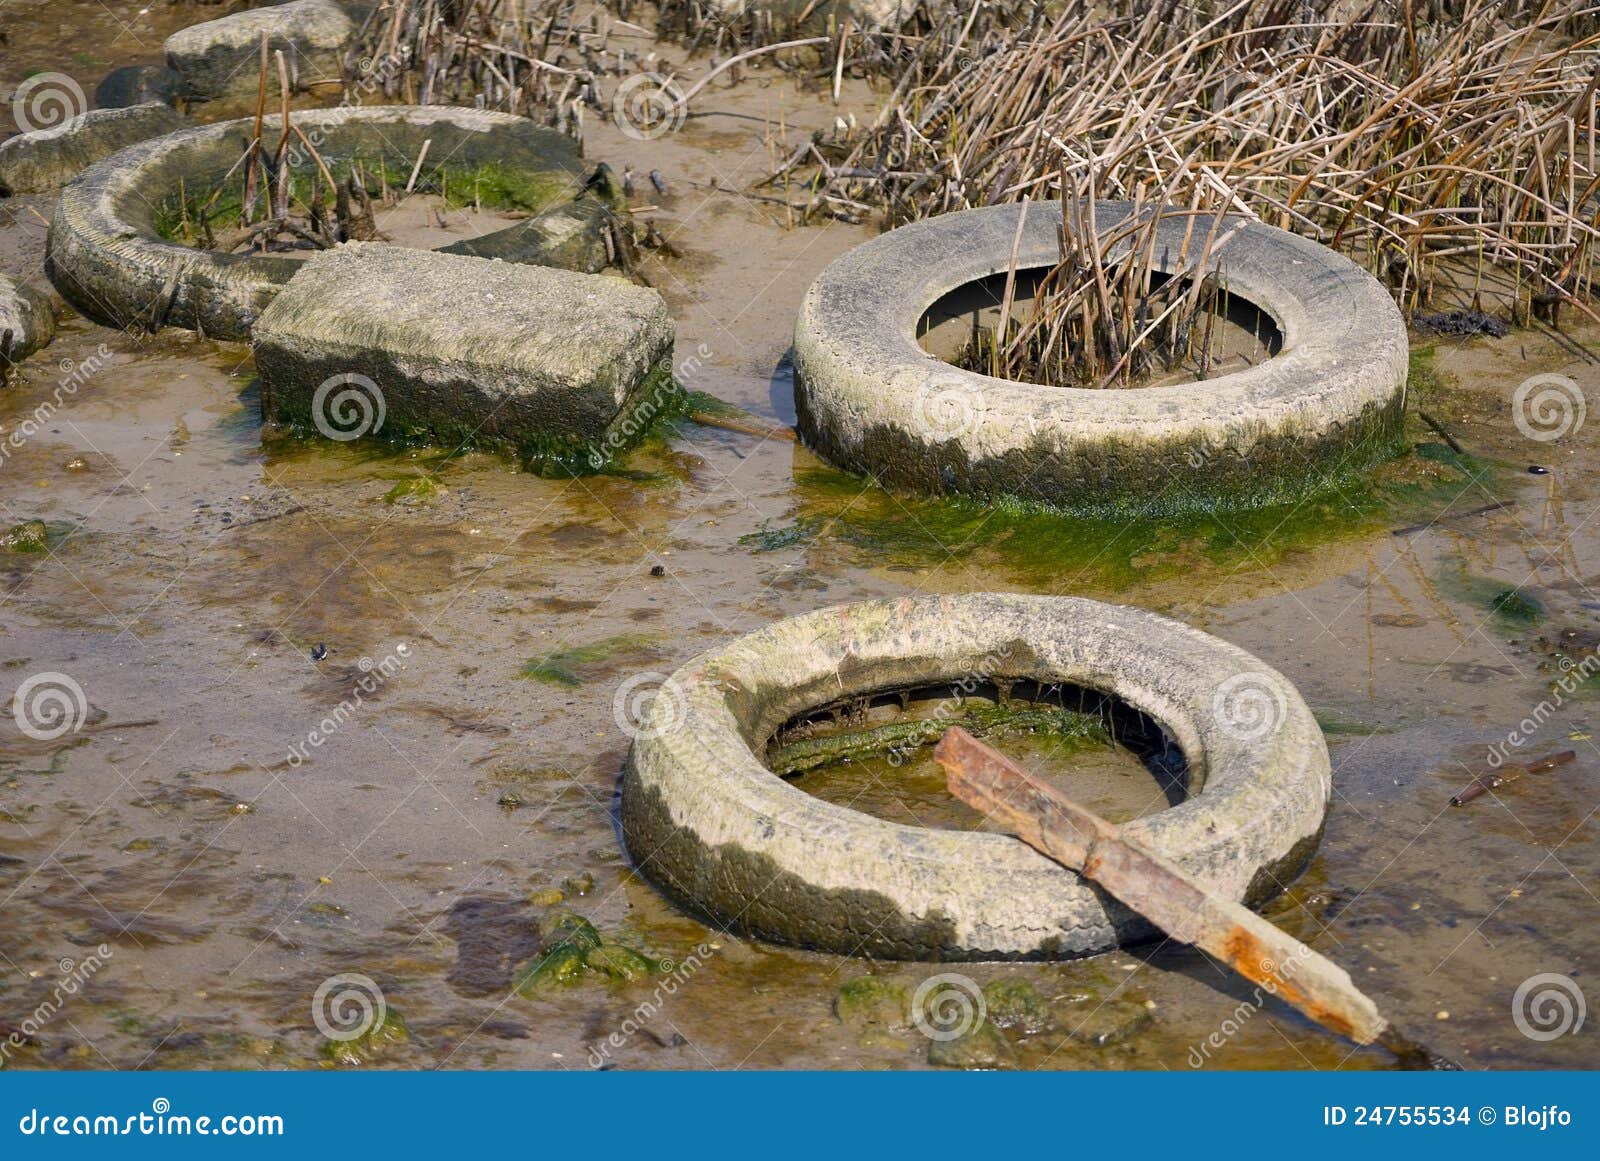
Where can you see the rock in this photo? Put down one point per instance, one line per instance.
(566, 929)
(29, 536)
(1016, 1004)
(1101, 1024)
(580, 884)
(363, 1049)
(26, 321)
(983, 1047)
(556, 367)
(547, 897)
(222, 57)
(618, 962)
(138, 85)
(563, 965)
(47, 159)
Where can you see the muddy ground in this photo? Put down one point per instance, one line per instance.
(216, 592)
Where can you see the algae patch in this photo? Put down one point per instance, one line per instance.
(572, 666)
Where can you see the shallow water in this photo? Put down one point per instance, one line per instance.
(229, 863)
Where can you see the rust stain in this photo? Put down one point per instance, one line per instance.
(1247, 954)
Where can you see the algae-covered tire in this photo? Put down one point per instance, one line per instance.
(703, 818)
(874, 402)
(107, 257)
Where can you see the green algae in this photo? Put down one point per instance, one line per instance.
(880, 1002)
(194, 218)
(371, 1044)
(30, 536)
(1411, 479)
(413, 488)
(569, 667)
(981, 718)
(1511, 606)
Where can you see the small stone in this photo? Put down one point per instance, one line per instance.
(1104, 1024)
(579, 884)
(371, 1043)
(618, 962)
(547, 897)
(1016, 1003)
(561, 965)
(511, 800)
(982, 1047)
(138, 85)
(565, 928)
(76, 464)
(1441, 1015)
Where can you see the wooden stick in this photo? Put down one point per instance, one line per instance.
(1171, 898)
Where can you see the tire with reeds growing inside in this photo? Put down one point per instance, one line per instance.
(1327, 403)
(139, 240)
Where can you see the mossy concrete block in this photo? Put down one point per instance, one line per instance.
(47, 159)
(222, 57)
(455, 351)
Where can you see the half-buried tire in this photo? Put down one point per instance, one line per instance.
(707, 821)
(107, 257)
(875, 403)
